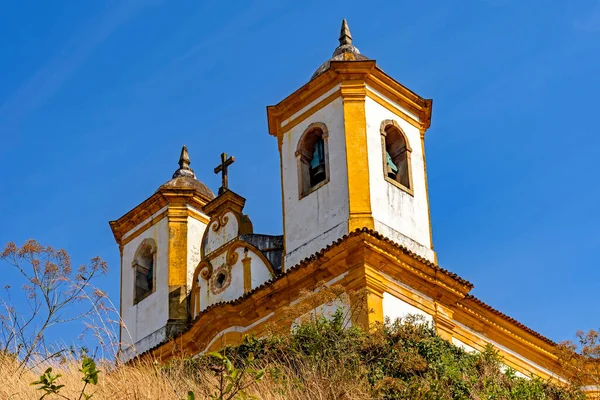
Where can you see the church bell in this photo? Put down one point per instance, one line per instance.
(319, 173)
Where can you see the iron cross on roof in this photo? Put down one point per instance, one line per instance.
(225, 163)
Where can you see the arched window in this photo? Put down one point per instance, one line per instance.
(396, 155)
(312, 155)
(144, 270)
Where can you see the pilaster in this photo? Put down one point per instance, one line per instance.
(177, 216)
(444, 323)
(354, 92)
(367, 282)
(247, 273)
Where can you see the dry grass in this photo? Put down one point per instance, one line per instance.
(149, 381)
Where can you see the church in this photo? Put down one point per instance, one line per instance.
(195, 276)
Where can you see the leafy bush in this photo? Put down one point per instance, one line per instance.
(396, 360)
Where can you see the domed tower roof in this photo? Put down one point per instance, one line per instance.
(185, 178)
(346, 51)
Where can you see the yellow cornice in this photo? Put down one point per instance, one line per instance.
(141, 229)
(137, 215)
(506, 333)
(170, 197)
(297, 120)
(341, 72)
(401, 95)
(226, 201)
(300, 98)
(391, 107)
(415, 273)
(503, 326)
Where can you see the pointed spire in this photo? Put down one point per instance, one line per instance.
(345, 35)
(346, 51)
(184, 158)
(184, 164)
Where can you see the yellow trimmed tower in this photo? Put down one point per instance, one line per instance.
(352, 156)
(160, 242)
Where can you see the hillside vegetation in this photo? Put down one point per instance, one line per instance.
(319, 359)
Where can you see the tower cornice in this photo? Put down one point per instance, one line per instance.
(145, 211)
(316, 93)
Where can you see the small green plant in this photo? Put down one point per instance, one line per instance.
(90, 376)
(48, 381)
(233, 382)
(190, 396)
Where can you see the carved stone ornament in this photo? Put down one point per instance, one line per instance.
(220, 279)
(220, 221)
(205, 269)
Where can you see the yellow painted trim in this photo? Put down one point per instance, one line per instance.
(344, 70)
(392, 108)
(177, 254)
(413, 298)
(283, 266)
(357, 159)
(240, 243)
(144, 228)
(308, 93)
(435, 259)
(509, 359)
(488, 319)
(308, 113)
(246, 261)
(403, 96)
(199, 217)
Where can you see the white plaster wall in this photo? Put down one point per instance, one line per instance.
(150, 314)
(223, 235)
(398, 215)
(259, 272)
(195, 232)
(320, 218)
(394, 308)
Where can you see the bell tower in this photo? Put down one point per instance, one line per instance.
(351, 145)
(159, 241)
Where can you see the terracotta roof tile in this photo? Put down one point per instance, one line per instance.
(510, 319)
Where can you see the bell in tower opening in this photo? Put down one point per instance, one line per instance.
(390, 168)
(317, 163)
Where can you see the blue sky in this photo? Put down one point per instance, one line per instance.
(97, 98)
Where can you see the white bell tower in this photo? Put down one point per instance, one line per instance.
(160, 242)
(351, 145)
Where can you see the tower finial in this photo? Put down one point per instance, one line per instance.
(184, 164)
(345, 35)
(184, 158)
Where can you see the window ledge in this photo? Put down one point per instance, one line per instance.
(399, 185)
(135, 303)
(314, 188)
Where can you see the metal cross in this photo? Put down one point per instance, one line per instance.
(225, 162)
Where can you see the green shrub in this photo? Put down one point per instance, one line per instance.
(396, 360)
